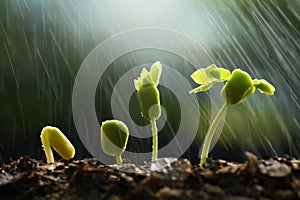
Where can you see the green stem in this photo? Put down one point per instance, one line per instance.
(49, 154)
(46, 145)
(210, 134)
(119, 159)
(154, 140)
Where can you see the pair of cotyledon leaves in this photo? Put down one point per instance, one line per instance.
(239, 83)
(149, 77)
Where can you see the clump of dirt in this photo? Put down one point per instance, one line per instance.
(167, 178)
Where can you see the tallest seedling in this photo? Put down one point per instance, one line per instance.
(239, 85)
(148, 95)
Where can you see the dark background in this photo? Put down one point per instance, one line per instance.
(43, 43)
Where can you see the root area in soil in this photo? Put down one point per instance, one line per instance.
(167, 178)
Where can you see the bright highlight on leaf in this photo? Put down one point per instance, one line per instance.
(149, 77)
(114, 137)
(208, 77)
(264, 86)
(148, 95)
(52, 137)
(203, 87)
(239, 85)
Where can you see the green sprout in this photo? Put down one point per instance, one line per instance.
(239, 85)
(148, 95)
(114, 137)
(53, 137)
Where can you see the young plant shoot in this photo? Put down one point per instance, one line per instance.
(148, 95)
(53, 137)
(114, 137)
(239, 85)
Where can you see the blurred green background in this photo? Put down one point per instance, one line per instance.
(43, 43)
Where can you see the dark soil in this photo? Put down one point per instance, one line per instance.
(273, 178)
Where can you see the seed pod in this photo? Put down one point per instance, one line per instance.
(238, 87)
(114, 137)
(148, 94)
(53, 137)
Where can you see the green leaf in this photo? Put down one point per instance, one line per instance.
(201, 77)
(144, 79)
(137, 84)
(144, 73)
(203, 87)
(264, 86)
(208, 77)
(224, 74)
(149, 77)
(209, 74)
(155, 72)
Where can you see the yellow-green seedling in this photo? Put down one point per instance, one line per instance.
(52, 137)
(148, 95)
(239, 85)
(114, 137)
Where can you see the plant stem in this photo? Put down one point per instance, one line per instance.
(46, 146)
(154, 140)
(119, 159)
(49, 154)
(210, 134)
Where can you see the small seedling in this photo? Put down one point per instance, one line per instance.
(148, 95)
(239, 85)
(53, 137)
(114, 137)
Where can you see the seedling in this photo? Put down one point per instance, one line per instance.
(239, 85)
(114, 137)
(148, 95)
(53, 137)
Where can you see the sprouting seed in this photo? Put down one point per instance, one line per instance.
(148, 95)
(52, 137)
(239, 85)
(114, 137)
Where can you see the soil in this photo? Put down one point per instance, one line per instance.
(269, 178)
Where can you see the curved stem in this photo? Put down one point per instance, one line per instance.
(154, 140)
(210, 134)
(49, 154)
(46, 145)
(119, 159)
